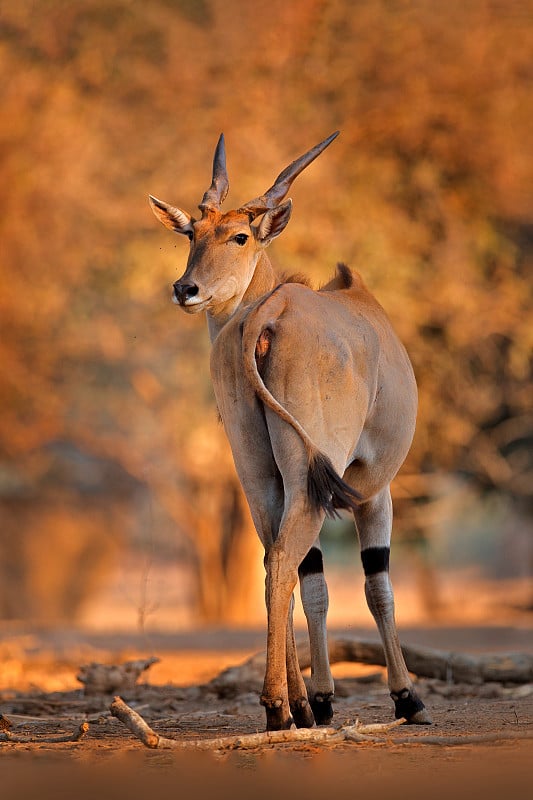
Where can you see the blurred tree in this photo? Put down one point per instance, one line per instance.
(429, 193)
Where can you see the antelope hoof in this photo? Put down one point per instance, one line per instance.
(322, 708)
(277, 718)
(302, 714)
(408, 705)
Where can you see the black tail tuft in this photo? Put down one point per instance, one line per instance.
(327, 490)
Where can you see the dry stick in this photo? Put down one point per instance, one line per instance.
(7, 736)
(326, 736)
(137, 725)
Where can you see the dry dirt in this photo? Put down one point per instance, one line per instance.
(40, 696)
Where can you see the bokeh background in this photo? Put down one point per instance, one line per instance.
(119, 506)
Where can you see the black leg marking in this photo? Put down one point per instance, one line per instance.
(408, 704)
(312, 563)
(322, 708)
(375, 559)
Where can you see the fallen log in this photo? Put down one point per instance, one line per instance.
(110, 678)
(424, 662)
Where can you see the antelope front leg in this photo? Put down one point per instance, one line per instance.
(374, 523)
(298, 530)
(280, 583)
(298, 702)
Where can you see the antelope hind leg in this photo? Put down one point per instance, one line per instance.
(315, 601)
(374, 522)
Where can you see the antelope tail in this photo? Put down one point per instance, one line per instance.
(326, 490)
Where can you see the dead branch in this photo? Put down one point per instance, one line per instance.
(110, 678)
(328, 736)
(14, 738)
(429, 663)
(422, 661)
(375, 734)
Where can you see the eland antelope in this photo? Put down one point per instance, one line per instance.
(318, 400)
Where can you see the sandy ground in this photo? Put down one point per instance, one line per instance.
(40, 696)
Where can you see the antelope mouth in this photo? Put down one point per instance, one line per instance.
(192, 305)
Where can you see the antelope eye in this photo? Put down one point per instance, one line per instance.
(189, 236)
(241, 239)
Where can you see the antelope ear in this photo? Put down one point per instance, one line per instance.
(274, 222)
(173, 218)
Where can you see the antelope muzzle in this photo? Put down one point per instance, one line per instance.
(185, 293)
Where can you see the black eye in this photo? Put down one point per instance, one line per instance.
(241, 239)
(189, 236)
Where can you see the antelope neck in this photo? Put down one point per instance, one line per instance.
(263, 281)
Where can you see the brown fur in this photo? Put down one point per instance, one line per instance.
(295, 277)
(334, 409)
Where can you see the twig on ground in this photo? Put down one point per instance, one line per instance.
(15, 738)
(137, 725)
(325, 736)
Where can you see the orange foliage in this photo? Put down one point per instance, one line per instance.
(429, 193)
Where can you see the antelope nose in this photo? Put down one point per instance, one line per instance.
(184, 292)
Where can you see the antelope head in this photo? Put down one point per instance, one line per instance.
(225, 247)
